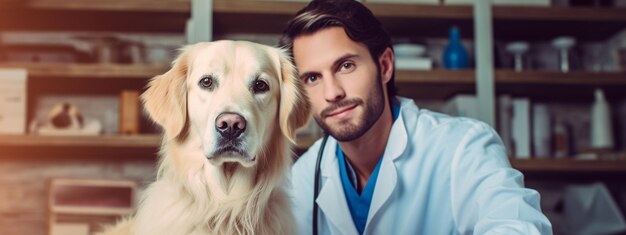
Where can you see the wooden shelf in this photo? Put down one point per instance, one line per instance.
(250, 16)
(427, 11)
(575, 86)
(559, 78)
(415, 20)
(107, 147)
(76, 210)
(172, 6)
(67, 70)
(112, 15)
(436, 84)
(131, 141)
(437, 76)
(569, 166)
(559, 13)
(442, 84)
(271, 17)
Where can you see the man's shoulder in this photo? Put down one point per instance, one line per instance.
(307, 160)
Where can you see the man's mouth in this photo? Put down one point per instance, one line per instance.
(341, 111)
(341, 108)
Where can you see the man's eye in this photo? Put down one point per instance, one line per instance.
(347, 67)
(310, 79)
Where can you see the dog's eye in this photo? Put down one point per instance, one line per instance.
(206, 82)
(260, 86)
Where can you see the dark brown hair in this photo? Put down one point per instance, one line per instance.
(359, 23)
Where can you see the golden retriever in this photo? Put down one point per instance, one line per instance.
(229, 111)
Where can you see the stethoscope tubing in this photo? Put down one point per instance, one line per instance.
(316, 189)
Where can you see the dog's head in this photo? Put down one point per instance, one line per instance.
(230, 96)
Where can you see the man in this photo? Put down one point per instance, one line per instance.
(390, 167)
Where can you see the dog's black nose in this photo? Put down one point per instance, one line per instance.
(230, 125)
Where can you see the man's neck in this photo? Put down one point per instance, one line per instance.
(365, 152)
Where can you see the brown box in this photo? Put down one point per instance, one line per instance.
(129, 112)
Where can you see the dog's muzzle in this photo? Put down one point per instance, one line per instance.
(230, 125)
(231, 128)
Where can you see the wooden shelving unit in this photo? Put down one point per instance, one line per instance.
(249, 16)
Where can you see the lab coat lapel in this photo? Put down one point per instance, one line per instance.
(331, 200)
(388, 175)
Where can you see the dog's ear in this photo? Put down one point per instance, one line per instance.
(294, 109)
(165, 100)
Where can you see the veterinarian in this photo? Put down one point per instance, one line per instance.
(388, 166)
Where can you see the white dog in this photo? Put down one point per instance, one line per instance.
(229, 110)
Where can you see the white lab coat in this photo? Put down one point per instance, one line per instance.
(439, 175)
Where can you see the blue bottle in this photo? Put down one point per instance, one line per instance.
(455, 55)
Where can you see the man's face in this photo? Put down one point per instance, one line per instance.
(342, 81)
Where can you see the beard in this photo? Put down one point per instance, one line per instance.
(347, 130)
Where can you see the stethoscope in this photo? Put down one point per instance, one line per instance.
(316, 189)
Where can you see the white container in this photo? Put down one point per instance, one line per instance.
(541, 131)
(521, 128)
(601, 127)
(13, 101)
(414, 63)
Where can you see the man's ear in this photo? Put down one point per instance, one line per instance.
(386, 61)
(165, 100)
(294, 106)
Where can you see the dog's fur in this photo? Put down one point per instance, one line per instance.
(237, 192)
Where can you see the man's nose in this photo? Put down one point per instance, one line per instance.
(333, 89)
(230, 125)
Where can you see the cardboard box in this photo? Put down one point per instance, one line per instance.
(13, 101)
(70, 229)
